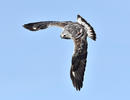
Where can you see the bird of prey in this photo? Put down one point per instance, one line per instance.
(78, 32)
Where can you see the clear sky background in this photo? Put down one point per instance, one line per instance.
(36, 65)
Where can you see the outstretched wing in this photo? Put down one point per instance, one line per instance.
(90, 31)
(79, 62)
(45, 24)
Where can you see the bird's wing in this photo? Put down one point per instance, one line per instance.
(90, 31)
(79, 62)
(44, 24)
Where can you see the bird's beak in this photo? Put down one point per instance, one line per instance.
(64, 37)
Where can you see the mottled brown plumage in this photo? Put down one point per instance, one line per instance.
(78, 32)
(79, 62)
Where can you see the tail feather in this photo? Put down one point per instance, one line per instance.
(90, 31)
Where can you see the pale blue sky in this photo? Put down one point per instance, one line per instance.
(36, 65)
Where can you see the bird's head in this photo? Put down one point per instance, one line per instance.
(65, 35)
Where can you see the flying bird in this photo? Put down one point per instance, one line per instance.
(78, 32)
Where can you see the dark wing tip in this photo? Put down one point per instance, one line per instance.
(78, 69)
(78, 84)
(29, 27)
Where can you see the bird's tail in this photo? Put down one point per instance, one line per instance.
(90, 31)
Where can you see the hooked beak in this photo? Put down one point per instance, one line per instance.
(64, 36)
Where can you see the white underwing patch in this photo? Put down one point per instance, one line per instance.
(34, 28)
(73, 73)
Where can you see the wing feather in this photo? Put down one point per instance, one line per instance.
(79, 62)
(44, 24)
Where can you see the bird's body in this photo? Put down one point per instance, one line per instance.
(78, 32)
